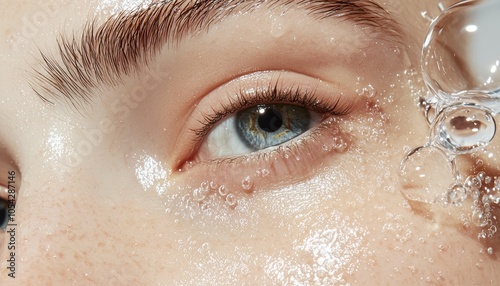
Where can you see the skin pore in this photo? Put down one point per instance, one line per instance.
(111, 153)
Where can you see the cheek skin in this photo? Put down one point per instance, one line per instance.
(64, 236)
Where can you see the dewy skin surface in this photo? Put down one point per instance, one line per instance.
(116, 143)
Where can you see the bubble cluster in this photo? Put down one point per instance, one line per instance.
(367, 91)
(201, 193)
(460, 69)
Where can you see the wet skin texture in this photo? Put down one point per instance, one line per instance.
(107, 188)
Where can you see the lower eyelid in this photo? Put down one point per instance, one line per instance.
(290, 162)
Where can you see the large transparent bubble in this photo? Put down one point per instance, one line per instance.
(461, 54)
(463, 128)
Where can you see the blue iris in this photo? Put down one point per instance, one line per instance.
(267, 125)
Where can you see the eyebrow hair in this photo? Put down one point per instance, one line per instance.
(103, 54)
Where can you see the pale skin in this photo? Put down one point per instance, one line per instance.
(122, 210)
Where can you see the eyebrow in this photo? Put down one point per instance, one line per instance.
(104, 53)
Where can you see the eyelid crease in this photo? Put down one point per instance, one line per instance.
(307, 98)
(102, 55)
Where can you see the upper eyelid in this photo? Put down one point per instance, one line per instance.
(273, 94)
(98, 57)
(335, 98)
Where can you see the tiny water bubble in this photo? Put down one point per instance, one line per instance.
(487, 180)
(222, 190)
(247, 184)
(264, 173)
(478, 217)
(213, 185)
(204, 186)
(326, 148)
(367, 91)
(339, 144)
(495, 198)
(490, 250)
(231, 200)
(456, 194)
(492, 230)
(199, 194)
(481, 175)
(472, 183)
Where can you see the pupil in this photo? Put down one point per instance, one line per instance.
(270, 119)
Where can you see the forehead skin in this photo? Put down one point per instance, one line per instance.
(96, 224)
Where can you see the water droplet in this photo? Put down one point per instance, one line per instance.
(490, 250)
(264, 173)
(464, 129)
(368, 91)
(339, 144)
(425, 174)
(487, 180)
(492, 230)
(247, 184)
(204, 186)
(449, 70)
(456, 194)
(222, 190)
(481, 235)
(478, 217)
(472, 183)
(495, 198)
(231, 200)
(213, 185)
(199, 194)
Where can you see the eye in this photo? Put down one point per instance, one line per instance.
(4, 208)
(3, 214)
(257, 128)
(261, 120)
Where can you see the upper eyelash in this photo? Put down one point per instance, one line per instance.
(273, 94)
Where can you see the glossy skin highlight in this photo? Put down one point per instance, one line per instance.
(121, 209)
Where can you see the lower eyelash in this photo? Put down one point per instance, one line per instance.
(289, 162)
